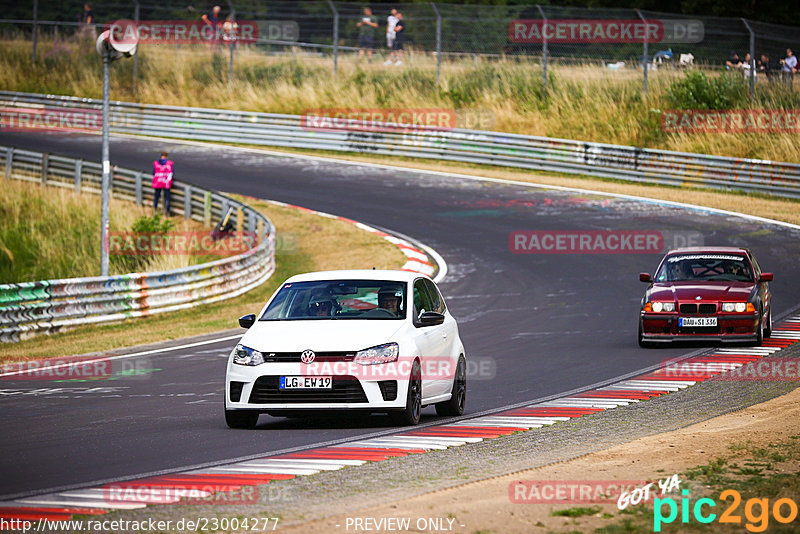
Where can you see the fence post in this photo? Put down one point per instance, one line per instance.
(335, 38)
(438, 41)
(35, 28)
(45, 165)
(207, 209)
(644, 54)
(9, 161)
(544, 47)
(752, 59)
(78, 174)
(231, 44)
(138, 189)
(187, 201)
(136, 55)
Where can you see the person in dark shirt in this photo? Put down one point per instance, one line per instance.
(765, 67)
(86, 19)
(400, 33)
(734, 61)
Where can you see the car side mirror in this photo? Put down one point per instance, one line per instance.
(429, 318)
(645, 277)
(765, 277)
(246, 321)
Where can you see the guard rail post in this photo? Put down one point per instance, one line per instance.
(45, 165)
(9, 161)
(187, 201)
(138, 188)
(78, 173)
(544, 46)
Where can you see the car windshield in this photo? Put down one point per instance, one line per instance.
(338, 299)
(704, 267)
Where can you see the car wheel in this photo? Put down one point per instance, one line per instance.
(241, 418)
(458, 396)
(760, 331)
(411, 413)
(642, 343)
(768, 329)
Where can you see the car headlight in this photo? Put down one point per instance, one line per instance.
(380, 354)
(737, 307)
(246, 356)
(663, 306)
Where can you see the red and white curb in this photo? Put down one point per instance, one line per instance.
(418, 261)
(204, 483)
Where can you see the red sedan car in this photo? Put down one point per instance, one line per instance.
(711, 293)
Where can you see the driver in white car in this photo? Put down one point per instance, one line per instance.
(320, 307)
(389, 300)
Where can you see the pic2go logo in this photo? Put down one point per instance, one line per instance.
(756, 511)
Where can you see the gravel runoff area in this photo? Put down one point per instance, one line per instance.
(349, 490)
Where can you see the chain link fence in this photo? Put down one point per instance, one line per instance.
(444, 36)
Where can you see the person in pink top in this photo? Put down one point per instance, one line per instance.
(163, 170)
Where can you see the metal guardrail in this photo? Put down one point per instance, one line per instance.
(48, 305)
(470, 146)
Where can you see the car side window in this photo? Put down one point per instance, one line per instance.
(437, 302)
(422, 300)
(756, 267)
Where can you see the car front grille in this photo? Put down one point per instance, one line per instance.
(706, 309)
(345, 389)
(294, 357)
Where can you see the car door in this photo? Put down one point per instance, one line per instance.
(447, 335)
(428, 338)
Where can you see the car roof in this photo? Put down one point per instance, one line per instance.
(358, 274)
(711, 250)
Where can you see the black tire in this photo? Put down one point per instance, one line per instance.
(241, 418)
(768, 329)
(760, 331)
(410, 415)
(458, 397)
(642, 343)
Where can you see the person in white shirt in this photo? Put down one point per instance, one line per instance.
(391, 22)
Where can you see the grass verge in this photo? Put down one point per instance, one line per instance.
(318, 243)
(40, 224)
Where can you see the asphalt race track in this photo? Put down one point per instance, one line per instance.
(546, 323)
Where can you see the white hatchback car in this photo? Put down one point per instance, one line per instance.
(377, 341)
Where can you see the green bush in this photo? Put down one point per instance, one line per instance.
(143, 225)
(698, 91)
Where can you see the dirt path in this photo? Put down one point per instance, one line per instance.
(485, 506)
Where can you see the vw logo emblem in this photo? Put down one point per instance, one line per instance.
(307, 356)
(698, 297)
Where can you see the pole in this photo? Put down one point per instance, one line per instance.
(752, 59)
(544, 48)
(106, 172)
(35, 27)
(644, 54)
(231, 46)
(136, 56)
(438, 41)
(335, 38)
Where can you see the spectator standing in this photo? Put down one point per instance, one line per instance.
(86, 19)
(734, 62)
(213, 20)
(765, 67)
(399, 38)
(391, 22)
(163, 172)
(788, 66)
(366, 33)
(747, 65)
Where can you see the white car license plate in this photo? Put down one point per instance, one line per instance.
(697, 321)
(306, 382)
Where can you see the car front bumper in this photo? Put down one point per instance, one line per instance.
(664, 327)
